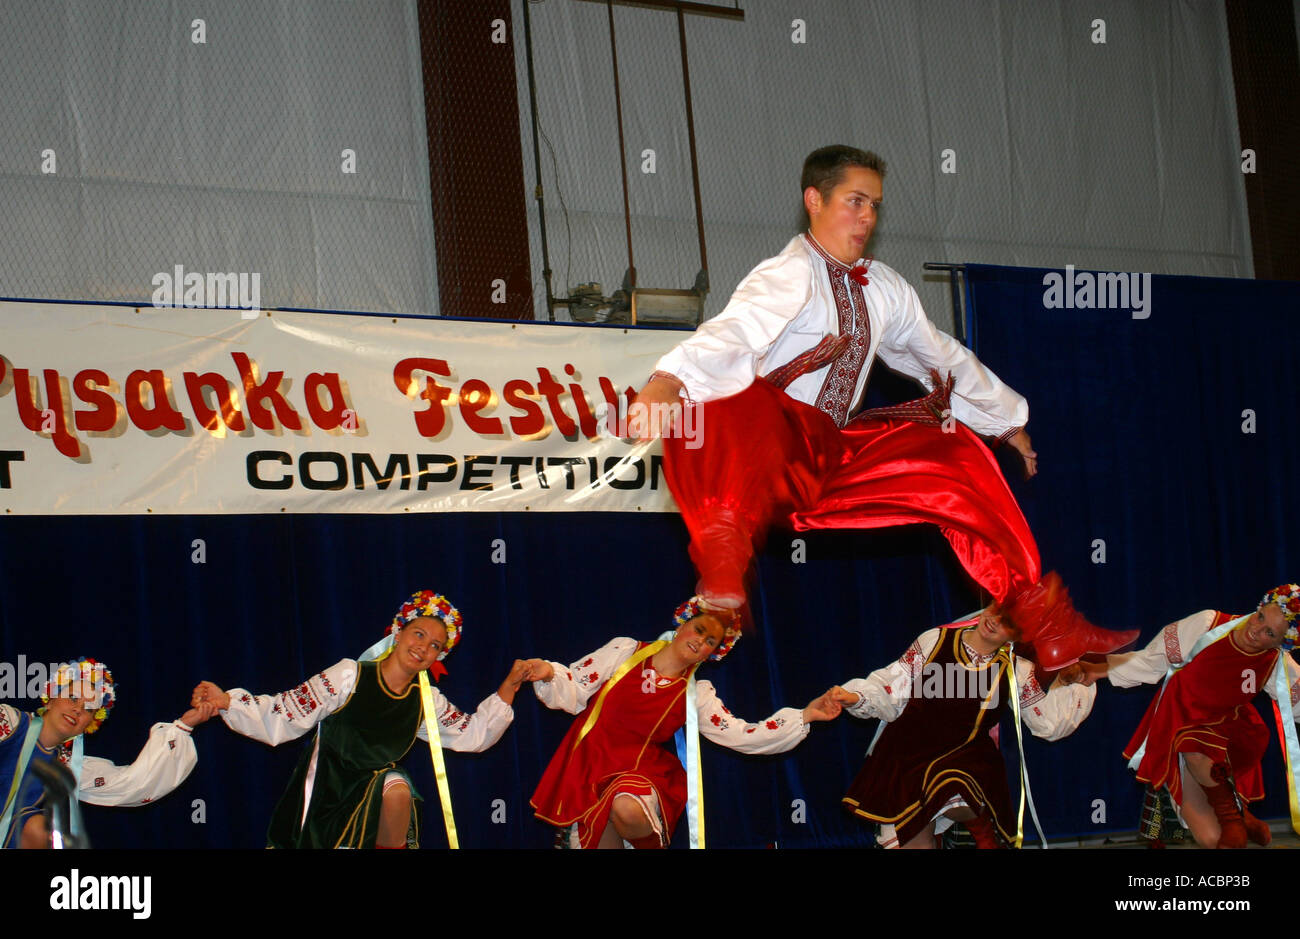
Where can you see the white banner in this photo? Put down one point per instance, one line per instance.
(123, 410)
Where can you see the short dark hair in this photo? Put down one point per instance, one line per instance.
(824, 168)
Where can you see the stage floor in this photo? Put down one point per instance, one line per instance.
(1283, 837)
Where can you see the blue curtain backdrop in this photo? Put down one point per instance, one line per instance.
(1138, 424)
(1173, 440)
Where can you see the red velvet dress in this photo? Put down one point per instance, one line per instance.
(628, 749)
(1206, 708)
(769, 459)
(939, 747)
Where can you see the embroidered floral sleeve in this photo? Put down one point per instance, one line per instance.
(1056, 713)
(885, 692)
(1173, 648)
(469, 732)
(571, 686)
(1031, 691)
(166, 760)
(275, 719)
(1169, 646)
(782, 731)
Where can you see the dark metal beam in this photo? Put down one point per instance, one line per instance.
(1266, 78)
(955, 274)
(476, 166)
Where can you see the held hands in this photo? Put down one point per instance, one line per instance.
(538, 670)
(205, 692)
(197, 715)
(828, 706)
(843, 697)
(514, 679)
(1084, 673)
(1021, 442)
(520, 672)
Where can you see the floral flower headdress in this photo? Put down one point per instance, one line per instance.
(1287, 597)
(728, 618)
(86, 671)
(435, 605)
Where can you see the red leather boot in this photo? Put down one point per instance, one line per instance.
(1224, 802)
(1060, 634)
(983, 831)
(722, 550)
(1256, 830)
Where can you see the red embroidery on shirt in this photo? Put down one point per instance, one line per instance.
(717, 719)
(1031, 692)
(586, 663)
(841, 382)
(5, 727)
(304, 698)
(771, 725)
(1173, 651)
(99, 782)
(911, 655)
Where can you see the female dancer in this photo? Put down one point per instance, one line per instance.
(348, 791)
(614, 777)
(935, 761)
(76, 702)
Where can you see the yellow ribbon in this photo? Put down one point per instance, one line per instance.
(439, 767)
(1025, 792)
(622, 670)
(694, 778)
(1020, 744)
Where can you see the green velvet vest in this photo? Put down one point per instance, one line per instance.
(360, 744)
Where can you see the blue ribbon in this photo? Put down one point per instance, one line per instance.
(20, 771)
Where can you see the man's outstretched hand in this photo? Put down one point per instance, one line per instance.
(655, 410)
(1026, 450)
